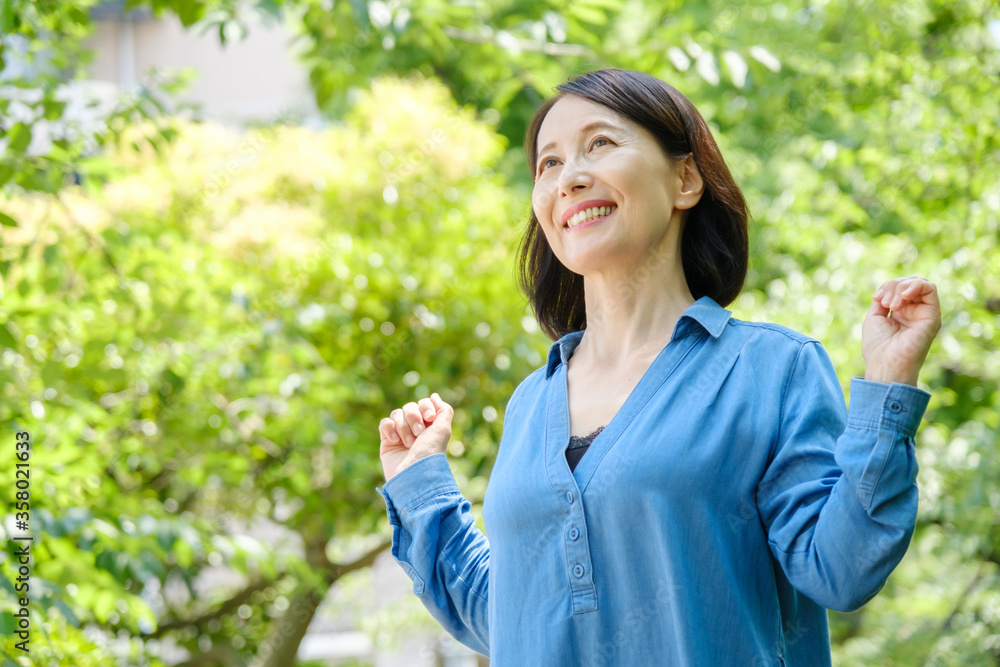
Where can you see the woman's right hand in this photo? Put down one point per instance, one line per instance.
(413, 432)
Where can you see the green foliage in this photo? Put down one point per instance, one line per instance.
(44, 148)
(257, 305)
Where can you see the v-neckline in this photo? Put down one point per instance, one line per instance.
(684, 338)
(569, 421)
(599, 446)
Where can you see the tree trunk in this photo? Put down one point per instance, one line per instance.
(282, 646)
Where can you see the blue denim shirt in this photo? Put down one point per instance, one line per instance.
(729, 502)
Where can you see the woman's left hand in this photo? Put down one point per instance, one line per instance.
(894, 345)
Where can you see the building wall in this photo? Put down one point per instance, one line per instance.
(255, 79)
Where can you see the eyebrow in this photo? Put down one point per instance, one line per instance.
(586, 128)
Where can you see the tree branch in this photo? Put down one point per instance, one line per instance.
(90, 235)
(228, 607)
(954, 612)
(338, 570)
(291, 628)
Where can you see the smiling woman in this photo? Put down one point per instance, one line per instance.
(674, 486)
(648, 128)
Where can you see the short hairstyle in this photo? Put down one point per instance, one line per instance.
(714, 241)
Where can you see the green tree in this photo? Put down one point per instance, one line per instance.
(257, 304)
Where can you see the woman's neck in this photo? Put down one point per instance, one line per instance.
(632, 315)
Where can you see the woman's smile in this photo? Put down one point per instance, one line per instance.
(591, 223)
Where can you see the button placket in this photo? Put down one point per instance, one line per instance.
(579, 567)
(576, 554)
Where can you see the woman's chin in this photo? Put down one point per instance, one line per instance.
(591, 262)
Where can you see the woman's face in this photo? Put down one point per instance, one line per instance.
(617, 164)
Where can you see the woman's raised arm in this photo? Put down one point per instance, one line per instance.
(839, 500)
(434, 536)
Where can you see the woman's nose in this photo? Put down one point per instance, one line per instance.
(573, 176)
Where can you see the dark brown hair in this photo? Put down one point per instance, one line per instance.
(714, 241)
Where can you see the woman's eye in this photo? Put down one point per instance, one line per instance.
(594, 143)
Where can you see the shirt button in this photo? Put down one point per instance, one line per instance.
(569, 497)
(574, 533)
(578, 570)
(895, 407)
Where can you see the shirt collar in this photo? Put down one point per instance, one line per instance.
(704, 312)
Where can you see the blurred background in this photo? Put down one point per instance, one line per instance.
(236, 235)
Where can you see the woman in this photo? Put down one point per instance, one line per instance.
(674, 486)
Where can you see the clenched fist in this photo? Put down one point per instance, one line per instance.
(904, 318)
(413, 432)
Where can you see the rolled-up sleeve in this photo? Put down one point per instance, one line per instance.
(839, 498)
(436, 542)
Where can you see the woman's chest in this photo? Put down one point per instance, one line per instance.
(595, 394)
(696, 431)
(672, 447)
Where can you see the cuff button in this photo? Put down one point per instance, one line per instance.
(895, 407)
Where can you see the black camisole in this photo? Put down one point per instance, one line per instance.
(578, 446)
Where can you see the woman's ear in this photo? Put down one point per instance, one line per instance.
(691, 184)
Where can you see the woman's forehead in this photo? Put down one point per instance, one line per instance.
(572, 115)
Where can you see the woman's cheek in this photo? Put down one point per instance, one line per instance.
(536, 205)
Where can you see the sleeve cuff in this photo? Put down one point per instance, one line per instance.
(877, 404)
(416, 484)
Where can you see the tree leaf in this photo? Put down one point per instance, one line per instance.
(20, 137)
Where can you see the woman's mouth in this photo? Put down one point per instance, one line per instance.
(590, 217)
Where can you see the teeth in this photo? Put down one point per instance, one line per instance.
(589, 214)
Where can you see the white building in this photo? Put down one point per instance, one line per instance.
(256, 79)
